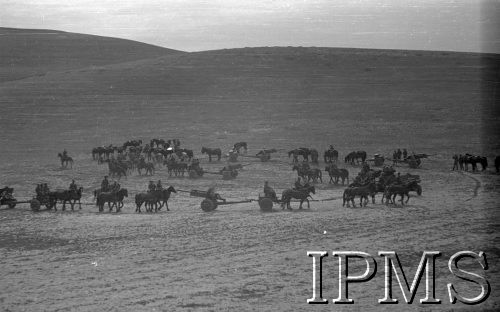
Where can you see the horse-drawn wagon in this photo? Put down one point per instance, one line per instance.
(211, 199)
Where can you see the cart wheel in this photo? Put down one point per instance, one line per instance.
(208, 205)
(12, 204)
(265, 204)
(35, 205)
(419, 190)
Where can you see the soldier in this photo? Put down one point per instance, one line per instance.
(455, 162)
(105, 184)
(151, 186)
(398, 179)
(298, 184)
(399, 153)
(269, 191)
(405, 153)
(159, 187)
(73, 187)
(45, 189)
(115, 187)
(38, 189)
(65, 153)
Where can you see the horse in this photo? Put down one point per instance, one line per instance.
(301, 194)
(211, 151)
(331, 155)
(134, 143)
(497, 164)
(304, 152)
(239, 145)
(157, 142)
(181, 152)
(154, 198)
(112, 198)
(355, 156)
(336, 173)
(314, 174)
(150, 167)
(350, 194)
(391, 191)
(97, 152)
(116, 169)
(66, 196)
(65, 160)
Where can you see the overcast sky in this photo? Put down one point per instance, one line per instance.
(195, 25)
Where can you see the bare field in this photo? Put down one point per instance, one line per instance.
(238, 257)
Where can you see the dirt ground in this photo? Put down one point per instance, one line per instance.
(237, 258)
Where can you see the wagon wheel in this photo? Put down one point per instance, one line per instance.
(265, 204)
(208, 205)
(35, 204)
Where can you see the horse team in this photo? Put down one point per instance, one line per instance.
(132, 155)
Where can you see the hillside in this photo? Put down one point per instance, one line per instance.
(427, 98)
(31, 52)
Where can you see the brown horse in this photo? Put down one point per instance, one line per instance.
(114, 199)
(65, 160)
(301, 194)
(211, 151)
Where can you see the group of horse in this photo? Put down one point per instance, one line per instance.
(51, 198)
(462, 162)
(380, 181)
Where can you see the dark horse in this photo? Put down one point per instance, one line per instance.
(301, 194)
(65, 160)
(211, 151)
(239, 145)
(331, 155)
(363, 192)
(154, 198)
(336, 173)
(497, 164)
(67, 196)
(114, 199)
(304, 152)
(355, 156)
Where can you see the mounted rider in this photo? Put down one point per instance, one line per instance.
(73, 187)
(269, 191)
(65, 153)
(115, 187)
(159, 187)
(214, 196)
(105, 184)
(151, 186)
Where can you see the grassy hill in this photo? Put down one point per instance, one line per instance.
(31, 52)
(354, 98)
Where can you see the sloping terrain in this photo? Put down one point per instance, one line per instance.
(238, 258)
(34, 52)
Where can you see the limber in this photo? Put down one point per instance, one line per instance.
(393, 265)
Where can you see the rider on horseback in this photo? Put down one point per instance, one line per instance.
(73, 187)
(159, 187)
(151, 186)
(65, 153)
(115, 187)
(105, 184)
(269, 191)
